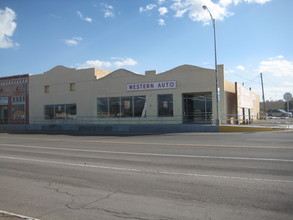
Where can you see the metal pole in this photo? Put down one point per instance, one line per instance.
(263, 94)
(218, 121)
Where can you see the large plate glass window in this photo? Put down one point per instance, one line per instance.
(114, 107)
(127, 106)
(165, 105)
(139, 106)
(18, 107)
(102, 107)
(198, 108)
(49, 112)
(71, 110)
(60, 111)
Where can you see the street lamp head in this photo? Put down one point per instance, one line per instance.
(204, 7)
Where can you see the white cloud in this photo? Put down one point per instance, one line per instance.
(161, 22)
(228, 71)
(108, 11)
(257, 1)
(109, 14)
(195, 11)
(87, 19)
(229, 2)
(288, 84)
(236, 2)
(240, 67)
(193, 8)
(7, 28)
(163, 10)
(278, 66)
(147, 8)
(121, 62)
(73, 42)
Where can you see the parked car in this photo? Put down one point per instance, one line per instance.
(279, 113)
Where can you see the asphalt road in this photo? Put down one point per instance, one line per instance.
(202, 176)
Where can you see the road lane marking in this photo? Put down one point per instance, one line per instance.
(10, 214)
(145, 171)
(149, 143)
(148, 154)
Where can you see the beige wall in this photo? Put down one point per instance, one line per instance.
(58, 79)
(230, 102)
(190, 79)
(247, 100)
(95, 83)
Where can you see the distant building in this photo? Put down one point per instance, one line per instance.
(185, 94)
(280, 104)
(14, 99)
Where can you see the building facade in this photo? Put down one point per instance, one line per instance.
(14, 99)
(185, 94)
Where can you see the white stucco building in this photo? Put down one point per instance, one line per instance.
(185, 94)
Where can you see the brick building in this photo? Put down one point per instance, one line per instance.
(14, 99)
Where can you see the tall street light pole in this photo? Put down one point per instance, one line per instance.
(218, 122)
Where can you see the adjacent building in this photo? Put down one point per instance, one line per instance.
(14, 99)
(185, 94)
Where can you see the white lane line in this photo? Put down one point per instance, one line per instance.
(145, 171)
(150, 154)
(16, 215)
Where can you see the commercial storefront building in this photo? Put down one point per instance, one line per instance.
(185, 94)
(14, 99)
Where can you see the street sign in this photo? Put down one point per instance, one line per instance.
(287, 96)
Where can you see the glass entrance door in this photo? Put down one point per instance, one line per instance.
(197, 108)
(3, 114)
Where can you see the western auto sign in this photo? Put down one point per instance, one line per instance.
(151, 86)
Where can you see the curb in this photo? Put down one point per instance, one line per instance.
(249, 129)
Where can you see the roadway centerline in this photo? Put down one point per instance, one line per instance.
(149, 143)
(149, 154)
(147, 171)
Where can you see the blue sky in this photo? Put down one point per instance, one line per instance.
(253, 36)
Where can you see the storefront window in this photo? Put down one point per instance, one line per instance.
(114, 107)
(139, 106)
(3, 114)
(129, 106)
(102, 107)
(165, 105)
(18, 107)
(60, 111)
(209, 106)
(198, 108)
(49, 112)
(126, 106)
(71, 110)
(18, 111)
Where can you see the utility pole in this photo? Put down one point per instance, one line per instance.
(263, 94)
(218, 91)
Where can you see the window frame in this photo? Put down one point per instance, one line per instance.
(165, 103)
